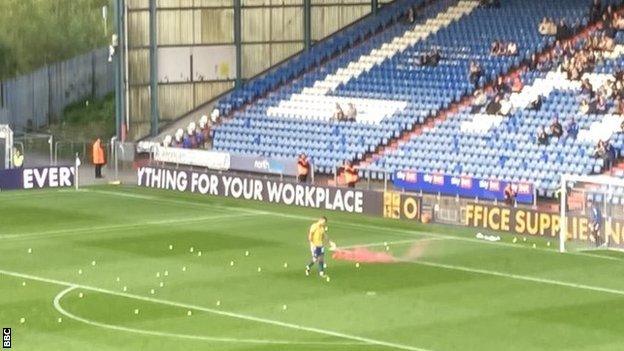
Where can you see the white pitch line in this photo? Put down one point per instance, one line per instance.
(74, 231)
(396, 242)
(61, 310)
(218, 312)
(518, 277)
(396, 231)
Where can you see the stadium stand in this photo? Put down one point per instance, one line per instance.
(380, 71)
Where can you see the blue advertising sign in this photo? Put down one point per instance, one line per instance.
(464, 186)
(261, 164)
(37, 178)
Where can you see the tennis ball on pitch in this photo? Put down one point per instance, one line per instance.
(515, 240)
(534, 246)
(218, 302)
(259, 269)
(170, 247)
(387, 248)
(162, 284)
(93, 263)
(166, 273)
(157, 274)
(29, 250)
(284, 307)
(327, 279)
(357, 265)
(548, 243)
(199, 254)
(136, 311)
(118, 279)
(22, 320)
(80, 271)
(189, 313)
(231, 263)
(385, 243)
(152, 291)
(524, 240)
(285, 264)
(125, 288)
(183, 268)
(59, 320)
(80, 295)
(191, 249)
(246, 253)
(23, 283)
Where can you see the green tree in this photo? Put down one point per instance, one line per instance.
(37, 32)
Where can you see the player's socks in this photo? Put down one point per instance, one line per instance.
(321, 268)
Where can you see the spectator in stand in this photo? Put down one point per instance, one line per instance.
(512, 49)
(474, 73)
(494, 107)
(547, 27)
(572, 129)
(601, 104)
(600, 151)
(167, 140)
(556, 129)
(501, 88)
(177, 138)
(563, 31)
(99, 160)
(187, 140)
(510, 195)
(587, 88)
(496, 4)
(495, 49)
(303, 168)
(338, 113)
(619, 107)
(542, 136)
(410, 16)
(618, 21)
(479, 100)
(204, 129)
(516, 84)
(350, 174)
(18, 158)
(215, 116)
(536, 103)
(351, 114)
(595, 11)
(430, 58)
(585, 107)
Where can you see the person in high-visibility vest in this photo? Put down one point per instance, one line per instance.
(303, 168)
(350, 174)
(18, 158)
(98, 157)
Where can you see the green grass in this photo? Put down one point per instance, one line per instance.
(461, 294)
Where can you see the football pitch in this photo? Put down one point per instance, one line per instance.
(124, 268)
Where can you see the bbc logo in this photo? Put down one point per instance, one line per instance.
(6, 338)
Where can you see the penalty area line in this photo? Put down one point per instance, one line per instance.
(364, 340)
(64, 312)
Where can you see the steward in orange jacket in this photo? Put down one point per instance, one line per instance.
(350, 174)
(98, 157)
(303, 168)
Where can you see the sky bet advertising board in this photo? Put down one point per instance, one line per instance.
(464, 186)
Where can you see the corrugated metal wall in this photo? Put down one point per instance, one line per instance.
(272, 30)
(35, 99)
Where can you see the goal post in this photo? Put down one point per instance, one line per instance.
(591, 213)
